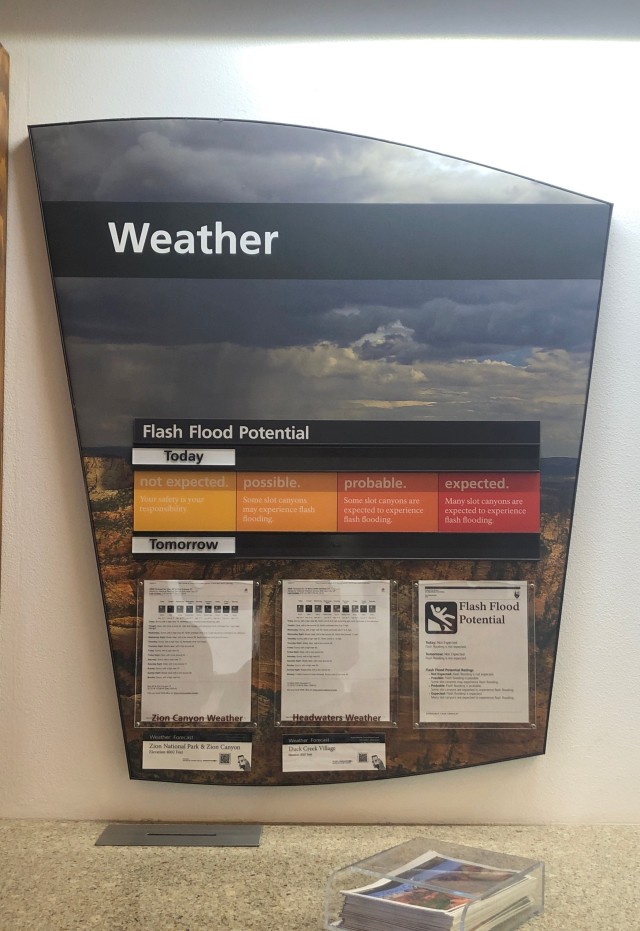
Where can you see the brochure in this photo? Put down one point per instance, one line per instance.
(436, 893)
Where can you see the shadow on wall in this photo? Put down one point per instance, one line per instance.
(332, 19)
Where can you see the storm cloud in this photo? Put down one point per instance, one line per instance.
(401, 320)
(227, 161)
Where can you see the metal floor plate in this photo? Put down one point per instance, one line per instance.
(180, 835)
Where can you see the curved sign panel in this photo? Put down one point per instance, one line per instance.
(329, 394)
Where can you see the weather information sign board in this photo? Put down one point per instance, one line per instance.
(297, 354)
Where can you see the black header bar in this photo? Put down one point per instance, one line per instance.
(326, 241)
(349, 433)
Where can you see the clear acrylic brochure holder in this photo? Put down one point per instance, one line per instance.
(469, 887)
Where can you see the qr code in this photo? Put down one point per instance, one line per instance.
(225, 758)
(363, 758)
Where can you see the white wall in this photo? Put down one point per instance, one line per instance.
(562, 111)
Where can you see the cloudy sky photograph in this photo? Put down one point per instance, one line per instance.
(237, 161)
(308, 349)
(328, 350)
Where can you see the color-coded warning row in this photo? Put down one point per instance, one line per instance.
(329, 502)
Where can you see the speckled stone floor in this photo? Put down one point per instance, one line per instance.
(53, 878)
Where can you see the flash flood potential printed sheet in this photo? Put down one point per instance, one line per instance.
(197, 648)
(336, 652)
(473, 648)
